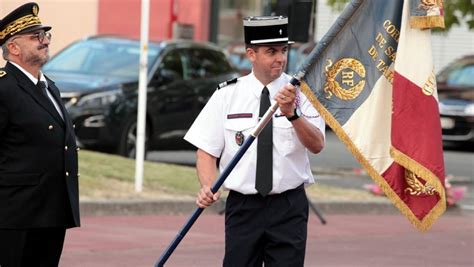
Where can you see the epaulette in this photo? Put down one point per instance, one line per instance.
(2, 73)
(224, 84)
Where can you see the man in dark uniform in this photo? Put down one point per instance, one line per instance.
(266, 209)
(38, 155)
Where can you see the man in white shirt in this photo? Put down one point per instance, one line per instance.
(267, 208)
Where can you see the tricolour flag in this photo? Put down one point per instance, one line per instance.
(371, 77)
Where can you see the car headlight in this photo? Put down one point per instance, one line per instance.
(98, 100)
(469, 110)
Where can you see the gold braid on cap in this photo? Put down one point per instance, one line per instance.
(19, 25)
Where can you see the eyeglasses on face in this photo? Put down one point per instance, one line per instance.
(37, 35)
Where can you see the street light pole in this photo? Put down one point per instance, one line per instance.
(141, 106)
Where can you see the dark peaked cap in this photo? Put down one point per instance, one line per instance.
(24, 19)
(266, 30)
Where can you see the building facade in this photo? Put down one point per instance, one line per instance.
(73, 19)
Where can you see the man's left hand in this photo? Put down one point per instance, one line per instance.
(286, 100)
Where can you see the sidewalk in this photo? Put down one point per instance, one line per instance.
(352, 180)
(357, 233)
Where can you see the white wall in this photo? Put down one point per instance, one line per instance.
(456, 43)
(69, 19)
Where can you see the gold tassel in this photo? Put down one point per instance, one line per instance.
(427, 22)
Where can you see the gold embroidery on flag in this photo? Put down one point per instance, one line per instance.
(416, 187)
(422, 225)
(432, 7)
(433, 15)
(430, 85)
(347, 67)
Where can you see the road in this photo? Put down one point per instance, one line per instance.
(335, 156)
(346, 240)
(459, 163)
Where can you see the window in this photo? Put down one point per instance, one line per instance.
(206, 63)
(108, 57)
(461, 76)
(171, 68)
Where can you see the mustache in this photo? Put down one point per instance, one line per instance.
(42, 46)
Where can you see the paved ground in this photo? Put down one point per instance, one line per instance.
(346, 240)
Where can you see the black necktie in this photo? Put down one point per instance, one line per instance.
(264, 174)
(42, 86)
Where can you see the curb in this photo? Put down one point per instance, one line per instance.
(182, 207)
(141, 207)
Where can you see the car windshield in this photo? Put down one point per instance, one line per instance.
(102, 56)
(462, 76)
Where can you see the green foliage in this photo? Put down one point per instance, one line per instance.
(456, 11)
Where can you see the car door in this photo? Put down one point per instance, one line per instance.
(169, 100)
(207, 68)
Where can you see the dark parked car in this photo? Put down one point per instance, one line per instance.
(456, 100)
(98, 79)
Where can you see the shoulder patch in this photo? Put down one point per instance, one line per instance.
(224, 84)
(2, 73)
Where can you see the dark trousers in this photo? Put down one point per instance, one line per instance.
(31, 247)
(270, 230)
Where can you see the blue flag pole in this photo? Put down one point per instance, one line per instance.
(217, 185)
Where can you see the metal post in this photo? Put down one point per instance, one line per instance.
(142, 86)
(214, 22)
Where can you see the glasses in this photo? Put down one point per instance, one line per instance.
(39, 36)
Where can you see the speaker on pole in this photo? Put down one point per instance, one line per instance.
(299, 17)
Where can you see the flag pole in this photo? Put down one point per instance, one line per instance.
(228, 169)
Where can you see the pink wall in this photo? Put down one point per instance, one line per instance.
(122, 17)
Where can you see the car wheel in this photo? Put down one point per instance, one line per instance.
(127, 145)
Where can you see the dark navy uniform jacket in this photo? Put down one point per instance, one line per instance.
(38, 157)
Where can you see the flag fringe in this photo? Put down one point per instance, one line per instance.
(427, 22)
(428, 220)
(427, 175)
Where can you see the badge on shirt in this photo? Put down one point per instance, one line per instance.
(239, 138)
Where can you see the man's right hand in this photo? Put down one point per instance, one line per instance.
(206, 198)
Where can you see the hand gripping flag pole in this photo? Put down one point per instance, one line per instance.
(262, 123)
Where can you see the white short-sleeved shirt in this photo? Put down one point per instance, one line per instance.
(233, 111)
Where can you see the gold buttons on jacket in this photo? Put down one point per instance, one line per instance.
(77, 149)
(50, 127)
(65, 148)
(67, 174)
(78, 175)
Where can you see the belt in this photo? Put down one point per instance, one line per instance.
(300, 187)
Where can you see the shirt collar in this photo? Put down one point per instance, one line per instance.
(33, 79)
(273, 87)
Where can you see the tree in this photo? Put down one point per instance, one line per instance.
(456, 11)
